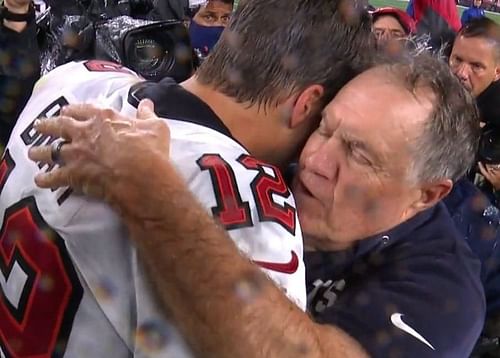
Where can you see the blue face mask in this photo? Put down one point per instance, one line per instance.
(204, 38)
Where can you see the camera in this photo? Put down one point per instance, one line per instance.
(489, 145)
(154, 49)
(113, 30)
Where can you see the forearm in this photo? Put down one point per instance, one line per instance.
(223, 304)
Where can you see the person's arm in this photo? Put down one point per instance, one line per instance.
(20, 68)
(222, 303)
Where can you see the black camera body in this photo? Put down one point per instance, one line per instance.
(489, 145)
(114, 30)
(154, 49)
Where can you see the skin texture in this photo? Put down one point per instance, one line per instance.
(354, 168)
(180, 244)
(474, 61)
(387, 27)
(214, 13)
(491, 173)
(17, 7)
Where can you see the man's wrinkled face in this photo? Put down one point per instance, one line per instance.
(388, 27)
(475, 62)
(214, 13)
(353, 178)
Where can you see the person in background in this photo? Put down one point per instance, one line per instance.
(437, 18)
(475, 56)
(473, 12)
(475, 60)
(392, 28)
(207, 24)
(20, 61)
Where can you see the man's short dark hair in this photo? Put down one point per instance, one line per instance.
(484, 28)
(274, 48)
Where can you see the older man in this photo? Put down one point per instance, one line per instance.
(392, 28)
(385, 265)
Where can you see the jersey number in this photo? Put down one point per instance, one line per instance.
(39, 288)
(105, 66)
(231, 210)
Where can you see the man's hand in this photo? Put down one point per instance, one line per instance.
(491, 173)
(106, 154)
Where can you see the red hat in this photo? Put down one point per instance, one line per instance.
(404, 19)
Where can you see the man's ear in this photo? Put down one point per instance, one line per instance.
(497, 73)
(307, 104)
(432, 193)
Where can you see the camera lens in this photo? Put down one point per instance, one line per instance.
(489, 146)
(148, 54)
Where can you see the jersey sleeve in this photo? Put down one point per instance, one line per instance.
(409, 310)
(249, 199)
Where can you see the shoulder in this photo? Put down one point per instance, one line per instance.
(415, 297)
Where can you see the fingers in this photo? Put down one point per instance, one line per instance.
(58, 127)
(146, 110)
(43, 154)
(82, 179)
(484, 171)
(84, 112)
(54, 179)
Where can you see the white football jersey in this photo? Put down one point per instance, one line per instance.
(70, 281)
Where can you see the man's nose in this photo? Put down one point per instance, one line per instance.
(325, 160)
(463, 71)
(219, 22)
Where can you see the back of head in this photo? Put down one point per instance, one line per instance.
(447, 145)
(484, 28)
(273, 48)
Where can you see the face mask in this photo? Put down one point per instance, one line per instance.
(204, 38)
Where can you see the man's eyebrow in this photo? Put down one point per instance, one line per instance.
(363, 146)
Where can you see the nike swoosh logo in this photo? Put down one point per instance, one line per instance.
(398, 322)
(288, 267)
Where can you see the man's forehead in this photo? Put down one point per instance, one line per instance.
(377, 99)
(216, 5)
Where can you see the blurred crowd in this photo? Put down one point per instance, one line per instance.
(447, 64)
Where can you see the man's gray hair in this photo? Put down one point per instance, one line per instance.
(447, 145)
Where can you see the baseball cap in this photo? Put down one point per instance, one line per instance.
(404, 19)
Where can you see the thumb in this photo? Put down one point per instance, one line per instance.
(146, 110)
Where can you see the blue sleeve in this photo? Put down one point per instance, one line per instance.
(465, 17)
(410, 11)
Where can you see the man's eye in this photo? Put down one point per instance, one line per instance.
(477, 67)
(397, 34)
(356, 154)
(209, 18)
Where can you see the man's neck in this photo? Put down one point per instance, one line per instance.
(248, 125)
